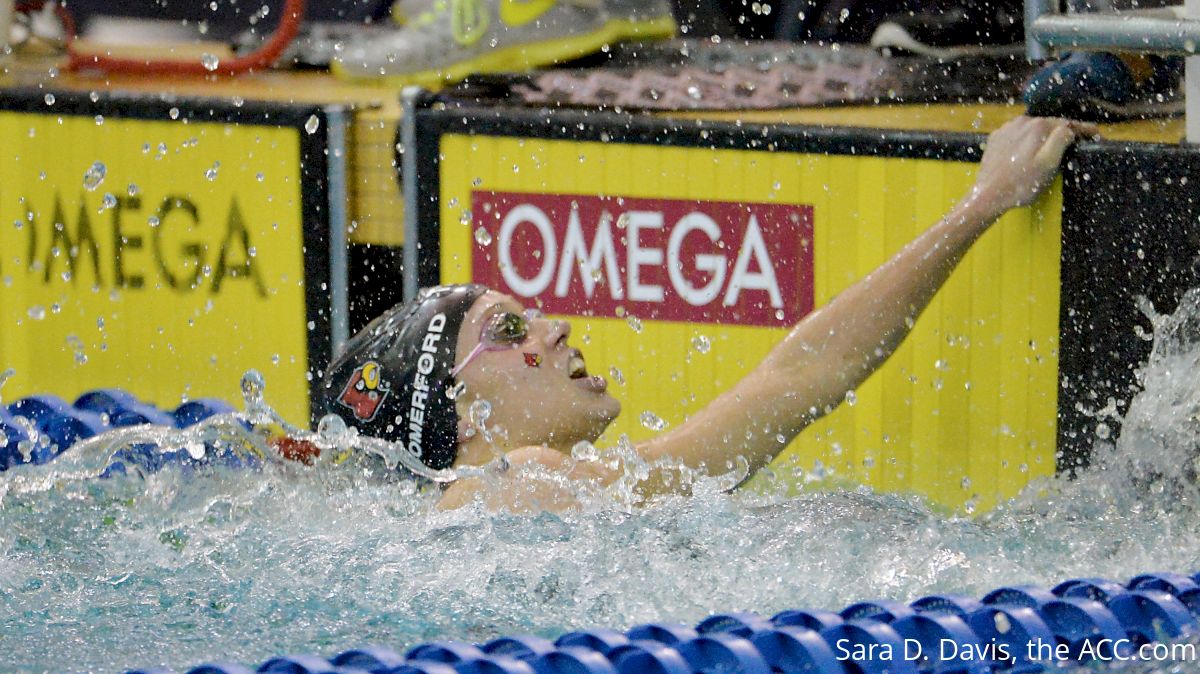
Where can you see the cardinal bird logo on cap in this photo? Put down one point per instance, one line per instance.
(365, 391)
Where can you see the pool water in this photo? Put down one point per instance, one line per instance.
(179, 568)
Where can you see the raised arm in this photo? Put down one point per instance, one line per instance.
(834, 349)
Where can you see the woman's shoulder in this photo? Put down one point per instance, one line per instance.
(527, 495)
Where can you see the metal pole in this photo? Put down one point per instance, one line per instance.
(1035, 9)
(409, 99)
(1106, 32)
(1192, 80)
(339, 271)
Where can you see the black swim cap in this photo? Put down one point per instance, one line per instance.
(393, 379)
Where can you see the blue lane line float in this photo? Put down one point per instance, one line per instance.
(738, 624)
(1098, 589)
(521, 647)
(813, 620)
(573, 660)
(667, 633)
(445, 651)
(602, 640)
(38, 428)
(947, 604)
(1009, 630)
(643, 656)
(1012, 630)
(795, 649)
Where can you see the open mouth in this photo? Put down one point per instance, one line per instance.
(576, 368)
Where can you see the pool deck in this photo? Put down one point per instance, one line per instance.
(373, 198)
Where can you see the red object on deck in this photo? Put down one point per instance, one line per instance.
(263, 57)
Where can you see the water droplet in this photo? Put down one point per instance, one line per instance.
(109, 201)
(617, 375)
(37, 312)
(173, 113)
(331, 428)
(99, 120)
(211, 173)
(465, 217)
(152, 221)
(210, 61)
(482, 236)
(653, 421)
(635, 323)
(260, 177)
(77, 348)
(49, 99)
(585, 451)
(851, 397)
(194, 449)
(701, 343)
(133, 190)
(1103, 431)
(478, 413)
(253, 385)
(966, 483)
(694, 93)
(455, 392)
(312, 124)
(94, 176)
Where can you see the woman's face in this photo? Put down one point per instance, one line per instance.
(540, 391)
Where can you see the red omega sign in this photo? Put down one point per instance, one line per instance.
(659, 259)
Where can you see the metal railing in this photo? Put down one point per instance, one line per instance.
(1173, 30)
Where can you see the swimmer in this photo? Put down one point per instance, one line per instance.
(398, 378)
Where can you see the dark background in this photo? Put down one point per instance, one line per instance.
(823, 19)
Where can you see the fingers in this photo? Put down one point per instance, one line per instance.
(1051, 152)
(1084, 129)
(1080, 129)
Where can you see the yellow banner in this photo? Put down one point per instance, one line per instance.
(964, 412)
(161, 257)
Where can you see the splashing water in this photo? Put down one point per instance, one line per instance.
(653, 421)
(244, 564)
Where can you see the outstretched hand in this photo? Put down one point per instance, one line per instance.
(1021, 159)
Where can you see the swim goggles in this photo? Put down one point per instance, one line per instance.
(503, 331)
